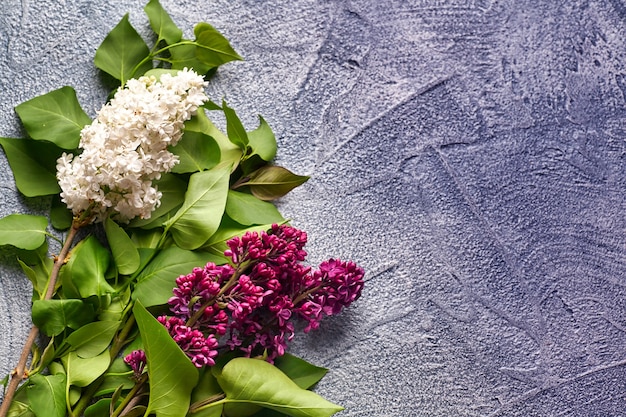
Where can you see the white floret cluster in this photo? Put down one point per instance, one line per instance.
(125, 148)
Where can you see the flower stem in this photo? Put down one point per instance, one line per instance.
(233, 279)
(211, 401)
(20, 373)
(138, 386)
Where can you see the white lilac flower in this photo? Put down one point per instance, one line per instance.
(125, 148)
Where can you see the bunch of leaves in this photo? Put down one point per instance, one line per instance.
(116, 277)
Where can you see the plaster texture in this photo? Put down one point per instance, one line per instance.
(470, 154)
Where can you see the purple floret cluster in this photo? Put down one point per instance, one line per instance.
(250, 305)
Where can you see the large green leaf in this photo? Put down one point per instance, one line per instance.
(46, 395)
(248, 210)
(33, 164)
(156, 281)
(83, 371)
(93, 338)
(161, 23)
(213, 48)
(199, 217)
(272, 182)
(254, 381)
(86, 269)
(125, 253)
(23, 231)
(122, 51)
(172, 375)
(53, 316)
(196, 152)
(56, 117)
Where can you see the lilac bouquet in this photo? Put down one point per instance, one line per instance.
(179, 284)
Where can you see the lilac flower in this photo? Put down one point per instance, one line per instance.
(332, 287)
(137, 362)
(126, 148)
(200, 349)
(194, 290)
(280, 246)
(251, 305)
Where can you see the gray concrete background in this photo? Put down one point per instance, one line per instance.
(469, 154)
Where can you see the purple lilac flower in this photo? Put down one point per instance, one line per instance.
(200, 349)
(279, 246)
(194, 290)
(137, 362)
(251, 304)
(335, 285)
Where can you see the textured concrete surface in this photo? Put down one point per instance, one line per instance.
(470, 154)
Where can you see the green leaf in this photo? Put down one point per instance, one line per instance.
(122, 53)
(20, 409)
(55, 117)
(146, 239)
(263, 141)
(38, 281)
(37, 266)
(47, 356)
(184, 56)
(254, 381)
(230, 153)
(213, 48)
(83, 371)
(86, 268)
(199, 217)
(125, 253)
(99, 409)
(53, 316)
(46, 395)
(118, 374)
(272, 182)
(155, 283)
(248, 210)
(204, 396)
(196, 152)
(23, 231)
(234, 128)
(33, 164)
(228, 229)
(303, 373)
(60, 216)
(115, 310)
(93, 338)
(211, 105)
(172, 375)
(161, 23)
